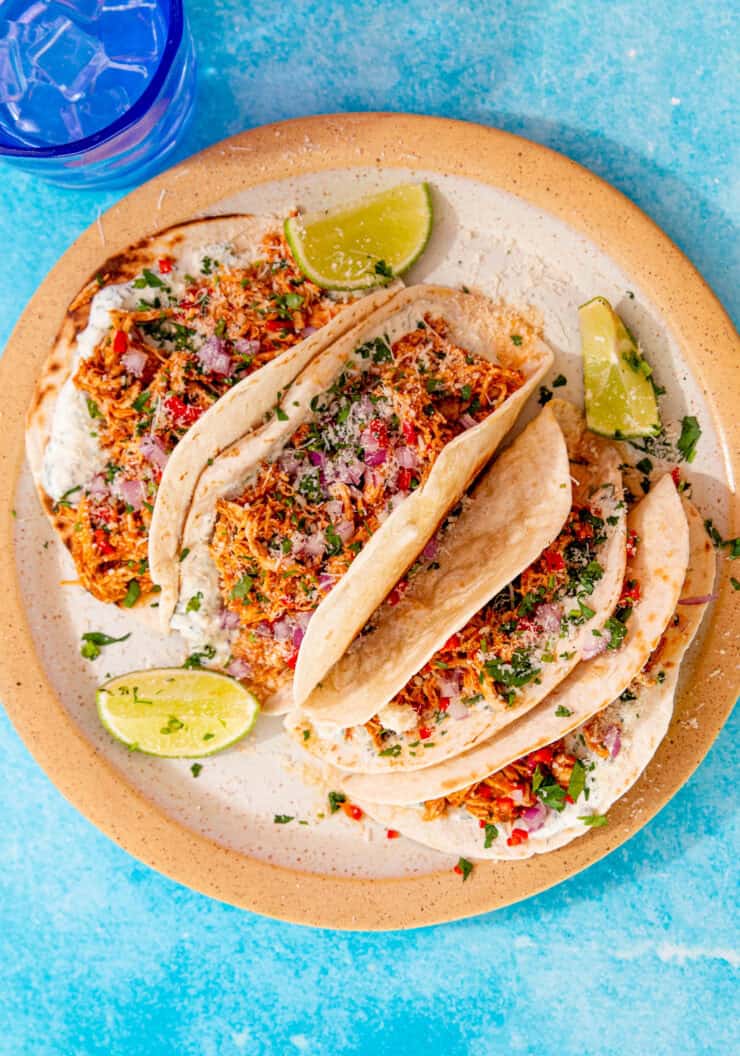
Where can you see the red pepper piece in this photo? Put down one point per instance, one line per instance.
(182, 413)
(165, 265)
(424, 733)
(392, 834)
(380, 431)
(352, 811)
(542, 755)
(630, 591)
(443, 704)
(517, 836)
(398, 592)
(292, 660)
(569, 799)
(485, 792)
(676, 475)
(403, 480)
(632, 541)
(100, 538)
(409, 433)
(554, 562)
(278, 324)
(120, 342)
(452, 643)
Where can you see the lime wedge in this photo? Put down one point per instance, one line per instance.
(176, 713)
(619, 396)
(366, 244)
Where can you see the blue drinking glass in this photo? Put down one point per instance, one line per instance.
(94, 92)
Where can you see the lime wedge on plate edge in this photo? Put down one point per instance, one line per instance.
(365, 244)
(176, 713)
(619, 396)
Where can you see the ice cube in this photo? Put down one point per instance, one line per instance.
(38, 117)
(68, 57)
(133, 31)
(12, 79)
(85, 10)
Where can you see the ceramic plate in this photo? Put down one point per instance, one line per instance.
(513, 219)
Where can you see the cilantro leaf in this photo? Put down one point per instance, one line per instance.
(689, 438)
(464, 867)
(594, 821)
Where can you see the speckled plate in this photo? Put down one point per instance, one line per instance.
(515, 220)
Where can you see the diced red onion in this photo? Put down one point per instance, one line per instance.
(282, 629)
(313, 546)
(229, 620)
(613, 740)
(334, 509)
(430, 550)
(263, 629)
(325, 581)
(317, 458)
(134, 361)
(406, 458)
(97, 488)
(298, 635)
(534, 817)
(153, 450)
(303, 619)
(131, 492)
(308, 330)
(593, 648)
(289, 463)
(369, 441)
(457, 710)
(376, 458)
(212, 356)
(354, 471)
(467, 421)
(244, 346)
(239, 669)
(517, 796)
(548, 617)
(345, 530)
(699, 599)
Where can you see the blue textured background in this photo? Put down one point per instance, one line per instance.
(98, 954)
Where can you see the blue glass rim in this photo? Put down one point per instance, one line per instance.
(134, 114)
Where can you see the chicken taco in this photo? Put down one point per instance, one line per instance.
(183, 319)
(553, 779)
(405, 700)
(362, 458)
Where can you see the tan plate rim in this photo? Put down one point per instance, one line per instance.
(548, 181)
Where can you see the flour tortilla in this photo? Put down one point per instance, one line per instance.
(659, 566)
(186, 243)
(644, 722)
(511, 516)
(477, 325)
(396, 633)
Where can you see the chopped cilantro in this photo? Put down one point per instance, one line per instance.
(644, 465)
(195, 660)
(689, 438)
(735, 583)
(220, 328)
(464, 868)
(280, 413)
(491, 832)
(132, 594)
(173, 725)
(92, 408)
(283, 819)
(64, 501)
(195, 769)
(516, 339)
(617, 630)
(559, 381)
(594, 821)
(545, 396)
(334, 544)
(93, 641)
(184, 553)
(243, 587)
(577, 781)
(335, 801)
(562, 712)
(383, 269)
(393, 751)
(147, 278)
(194, 604)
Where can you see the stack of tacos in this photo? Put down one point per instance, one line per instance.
(480, 650)
(507, 728)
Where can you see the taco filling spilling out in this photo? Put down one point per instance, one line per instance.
(160, 364)
(372, 438)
